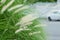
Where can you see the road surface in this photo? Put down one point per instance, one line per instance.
(52, 29)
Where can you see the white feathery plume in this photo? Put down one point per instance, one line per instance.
(6, 6)
(14, 7)
(3, 1)
(22, 8)
(27, 19)
(25, 1)
(33, 33)
(28, 23)
(40, 25)
(21, 29)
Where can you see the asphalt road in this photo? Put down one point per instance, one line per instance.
(52, 29)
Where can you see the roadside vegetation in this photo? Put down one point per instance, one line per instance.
(16, 25)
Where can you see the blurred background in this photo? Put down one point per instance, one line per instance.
(44, 8)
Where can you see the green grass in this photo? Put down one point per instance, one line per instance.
(9, 19)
